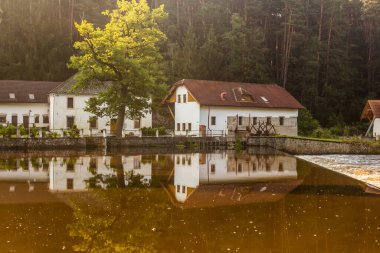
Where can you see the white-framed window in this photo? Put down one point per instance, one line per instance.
(31, 96)
(12, 96)
(213, 120)
(3, 118)
(70, 102)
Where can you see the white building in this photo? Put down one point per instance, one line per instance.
(203, 107)
(52, 105)
(220, 178)
(371, 112)
(25, 102)
(67, 109)
(66, 174)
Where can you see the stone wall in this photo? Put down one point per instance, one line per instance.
(305, 146)
(42, 143)
(8, 144)
(113, 142)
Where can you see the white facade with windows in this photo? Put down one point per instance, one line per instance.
(27, 114)
(67, 110)
(213, 109)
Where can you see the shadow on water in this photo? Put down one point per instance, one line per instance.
(135, 201)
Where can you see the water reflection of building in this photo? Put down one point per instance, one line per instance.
(67, 173)
(230, 178)
(73, 173)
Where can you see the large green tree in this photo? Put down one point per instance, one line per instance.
(122, 59)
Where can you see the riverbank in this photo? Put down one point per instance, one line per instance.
(365, 168)
(311, 146)
(110, 143)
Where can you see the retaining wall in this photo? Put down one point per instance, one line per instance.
(109, 142)
(302, 146)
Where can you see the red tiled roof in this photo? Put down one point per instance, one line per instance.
(22, 89)
(371, 110)
(238, 194)
(209, 93)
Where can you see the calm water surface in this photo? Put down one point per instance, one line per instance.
(131, 201)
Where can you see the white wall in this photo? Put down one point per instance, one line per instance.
(58, 171)
(186, 175)
(376, 127)
(186, 112)
(226, 169)
(59, 113)
(22, 109)
(222, 113)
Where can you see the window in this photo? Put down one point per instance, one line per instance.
(70, 184)
(3, 119)
(93, 164)
(31, 96)
(93, 122)
(183, 126)
(70, 166)
(12, 96)
(213, 120)
(178, 160)
(267, 167)
(70, 102)
(240, 120)
(189, 161)
(183, 189)
(137, 123)
(70, 121)
(45, 119)
(265, 99)
(281, 167)
(184, 98)
(282, 120)
(25, 121)
(269, 120)
(178, 188)
(14, 120)
(254, 120)
(183, 160)
(37, 118)
(240, 167)
(178, 126)
(254, 167)
(179, 99)
(212, 168)
(189, 126)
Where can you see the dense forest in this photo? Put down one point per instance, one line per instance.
(325, 52)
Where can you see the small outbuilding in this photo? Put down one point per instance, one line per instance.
(204, 108)
(371, 112)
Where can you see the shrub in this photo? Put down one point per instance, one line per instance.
(72, 132)
(306, 123)
(151, 131)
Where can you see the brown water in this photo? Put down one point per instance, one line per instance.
(135, 201)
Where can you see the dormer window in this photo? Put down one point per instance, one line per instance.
(31, 96)
(242, 95)
(265, 99)
(12, 96)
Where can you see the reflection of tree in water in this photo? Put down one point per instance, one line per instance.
(123, 218)
(117, 180)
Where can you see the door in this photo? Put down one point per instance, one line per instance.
(25, 120)
(113, 126)
(202, 130)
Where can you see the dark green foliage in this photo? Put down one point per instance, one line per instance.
(151, 131)
(325, 53)
(306, 123)
(72, 132)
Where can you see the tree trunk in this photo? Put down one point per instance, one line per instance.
(120, 121)
(328, 50)
(117, 165)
